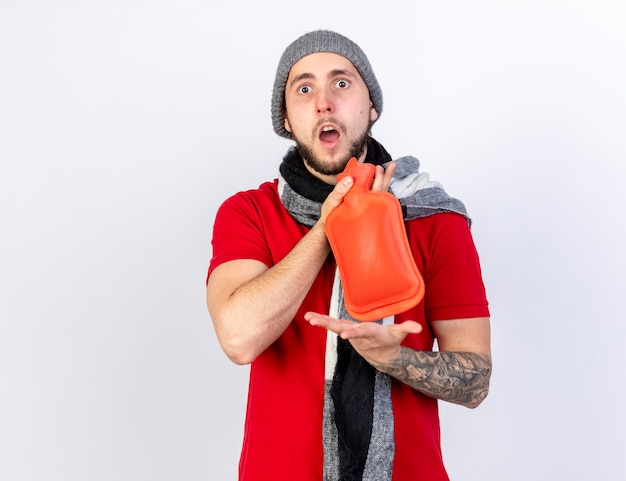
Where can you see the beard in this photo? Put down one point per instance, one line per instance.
(356, 149)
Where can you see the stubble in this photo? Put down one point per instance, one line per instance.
(357, 149)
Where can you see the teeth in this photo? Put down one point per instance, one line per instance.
(327, 129)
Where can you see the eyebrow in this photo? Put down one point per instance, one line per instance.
(302, 76)
(331, 74)
(339, 72)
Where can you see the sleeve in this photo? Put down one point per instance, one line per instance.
(454, 287)
(238, 233)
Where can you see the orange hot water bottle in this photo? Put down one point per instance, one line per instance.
(367, 236)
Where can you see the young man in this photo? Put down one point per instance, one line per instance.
(331, 398)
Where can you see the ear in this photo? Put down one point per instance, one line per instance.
(373, 113)
(287, 126)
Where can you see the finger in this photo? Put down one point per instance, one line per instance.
(315, 319)
(379, 176)
(389, 171)
(359, 330)
(336, 196)
(407, 327)
(342, 187)
(327, 322)
(382, 177)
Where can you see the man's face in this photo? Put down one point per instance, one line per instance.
(328, 112)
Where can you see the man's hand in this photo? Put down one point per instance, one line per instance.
(379, 345)
(381, 182)
(382, 178)
(461, 377)
(335, 197)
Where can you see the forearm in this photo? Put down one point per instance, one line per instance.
(258, 311)
(456, 377)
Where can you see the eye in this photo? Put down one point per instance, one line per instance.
(342, 84)
(304, 89)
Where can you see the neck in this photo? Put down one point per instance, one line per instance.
(315, 186)
(328, 179)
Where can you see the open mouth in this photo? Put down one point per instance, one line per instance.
(329, 136)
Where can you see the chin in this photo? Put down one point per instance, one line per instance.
(326, 166)
(325, 161)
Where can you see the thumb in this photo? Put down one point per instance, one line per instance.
(344, 185)
(407, 327)
(336, 196)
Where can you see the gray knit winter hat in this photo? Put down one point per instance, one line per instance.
(314, 42)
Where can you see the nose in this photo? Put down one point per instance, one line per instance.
(325, 103)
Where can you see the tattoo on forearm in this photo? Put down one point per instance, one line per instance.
(457, 377)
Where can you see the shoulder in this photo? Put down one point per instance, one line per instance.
(246, 206)
(446, 255)
(266, 192)
(442, 242)
(250, 202)
(239, 228)
(448, 224)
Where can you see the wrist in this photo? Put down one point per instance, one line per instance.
(387, 360)
(319, 233)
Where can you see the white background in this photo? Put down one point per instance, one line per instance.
(124, 124)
